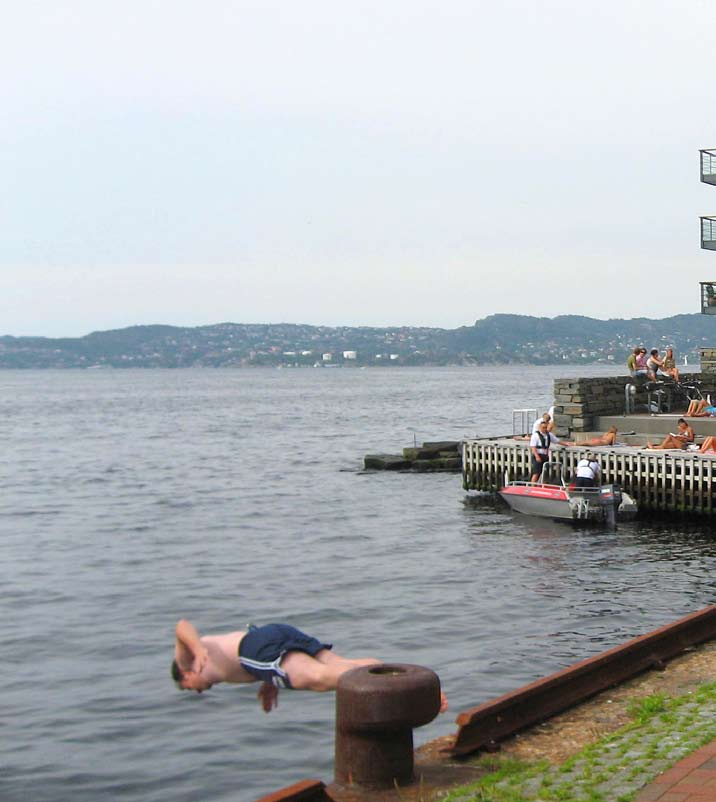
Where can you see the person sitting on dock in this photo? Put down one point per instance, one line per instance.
(684, 437)
(701, 408)
(609, 438)
(641, 367)
(654, 363)
(668, 367)
(540, 444)
(277, 655)
(588, 472)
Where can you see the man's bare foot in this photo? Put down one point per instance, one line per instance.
(443, 702)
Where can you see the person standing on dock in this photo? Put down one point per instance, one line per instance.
(540, 444)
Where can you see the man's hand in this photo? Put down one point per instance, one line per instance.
(200, 657)
(268, 696)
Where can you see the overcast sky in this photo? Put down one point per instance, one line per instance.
(396, 162)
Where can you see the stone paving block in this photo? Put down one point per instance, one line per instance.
(671, 797)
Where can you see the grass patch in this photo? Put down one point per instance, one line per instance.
(615, 767)
(644, 709)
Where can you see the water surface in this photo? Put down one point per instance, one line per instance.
(132, 498)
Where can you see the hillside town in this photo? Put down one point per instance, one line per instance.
(499, 339)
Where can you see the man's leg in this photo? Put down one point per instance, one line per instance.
(328, 657)
(319, 673)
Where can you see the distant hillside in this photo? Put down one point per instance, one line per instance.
(494, 340)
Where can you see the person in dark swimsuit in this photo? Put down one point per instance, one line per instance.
(277, 655)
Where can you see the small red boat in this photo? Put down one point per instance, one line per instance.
(604, 503)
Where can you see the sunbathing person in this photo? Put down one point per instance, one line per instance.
(708, 446)
(683, 438)
(607, 439)
(701, 408)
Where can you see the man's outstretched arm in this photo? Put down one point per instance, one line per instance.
(190, 652)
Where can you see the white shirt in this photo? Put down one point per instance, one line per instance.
(587, 469)
(535, 441)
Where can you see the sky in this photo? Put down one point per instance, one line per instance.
(386, 163)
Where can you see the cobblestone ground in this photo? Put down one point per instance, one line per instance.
(613, 769)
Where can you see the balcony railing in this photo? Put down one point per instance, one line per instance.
(708, 297)
(708, 166)
(708, 233)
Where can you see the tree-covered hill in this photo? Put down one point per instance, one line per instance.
(492, 340)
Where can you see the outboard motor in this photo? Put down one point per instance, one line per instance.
(610, 497)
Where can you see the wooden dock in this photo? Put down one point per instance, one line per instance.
(674, 481)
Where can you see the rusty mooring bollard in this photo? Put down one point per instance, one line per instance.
(377, 708)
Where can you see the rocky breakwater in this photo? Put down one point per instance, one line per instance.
(445, 455)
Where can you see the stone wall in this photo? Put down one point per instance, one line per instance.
(578, 401)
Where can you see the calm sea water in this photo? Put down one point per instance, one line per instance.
(133, 498)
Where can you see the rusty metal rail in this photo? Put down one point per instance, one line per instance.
(304, 791)
(495, 720)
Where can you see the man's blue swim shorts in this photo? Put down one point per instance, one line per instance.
(262, 648)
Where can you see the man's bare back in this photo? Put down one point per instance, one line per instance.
(222, 664)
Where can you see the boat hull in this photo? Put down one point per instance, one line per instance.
(548, 502)
(606, 503)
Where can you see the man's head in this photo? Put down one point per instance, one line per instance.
(188, 680)
(654, 352)
(543, 425)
